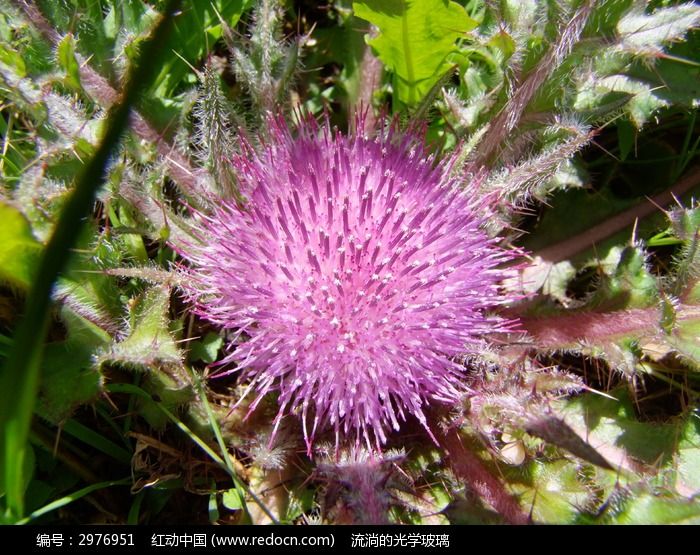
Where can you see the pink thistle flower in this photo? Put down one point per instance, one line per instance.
(357, 268)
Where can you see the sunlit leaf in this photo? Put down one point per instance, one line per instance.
(415, 40)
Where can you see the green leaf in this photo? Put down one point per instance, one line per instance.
(611, 427)
(415, 40)
(552, 491)
(655, 508)
(687, 461)
(69, 375)
(232, 500)
(625, 138)
(19, 250)
(206, 349)
(557, 432)
(97, 440)
(603, 94)
(504, 42)
(12, 58)
(685, 340)
(197, 28)
(63, 501)
(629, 284)
(150, 348)
(65, 54)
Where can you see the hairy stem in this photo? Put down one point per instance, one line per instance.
(571, 330)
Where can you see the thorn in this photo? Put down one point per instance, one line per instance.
(601, 393)
(87, 61)
(194, 69)
(601, 147)
(186, 170)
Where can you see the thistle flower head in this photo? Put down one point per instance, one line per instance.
(353, 275)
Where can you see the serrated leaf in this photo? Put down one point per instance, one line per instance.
(19, 250)
(151, 349)
(685, 224)
(551, 491)
(415, 40)
(551, 279)
(65, 55)
(602, 94)
(504, 42)
(520, 14)
(685, 340)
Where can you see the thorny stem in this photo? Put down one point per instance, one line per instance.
(513, 110)
(179, 168)
(467, 466)
(566, 249)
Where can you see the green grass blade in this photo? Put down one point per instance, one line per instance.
(135, 509)
(66, 500)
(98, 441)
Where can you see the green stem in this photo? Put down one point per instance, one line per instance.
(20, 373)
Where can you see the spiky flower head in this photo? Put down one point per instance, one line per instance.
(355, 273)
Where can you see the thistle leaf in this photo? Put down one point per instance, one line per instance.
(415, 40)
(559, 433)
(70, 377)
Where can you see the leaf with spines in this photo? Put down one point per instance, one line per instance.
(149, 343)
(70, 377)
